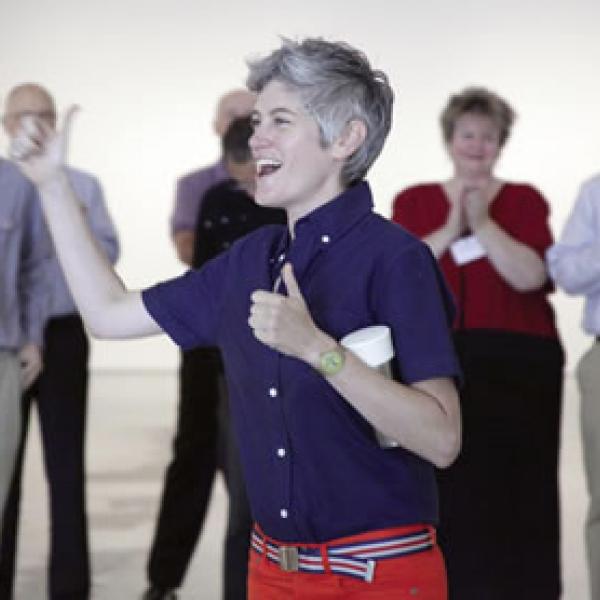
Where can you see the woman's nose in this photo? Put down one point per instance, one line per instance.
(258, 139)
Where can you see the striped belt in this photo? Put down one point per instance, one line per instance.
(355, 560)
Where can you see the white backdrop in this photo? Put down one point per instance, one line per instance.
(147, 73)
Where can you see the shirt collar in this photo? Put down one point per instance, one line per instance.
(332, 220)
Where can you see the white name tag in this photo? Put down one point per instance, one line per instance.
(466, 250)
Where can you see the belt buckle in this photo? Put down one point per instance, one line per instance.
(288, 558)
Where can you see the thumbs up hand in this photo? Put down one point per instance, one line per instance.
(284, 322)
(38, 149)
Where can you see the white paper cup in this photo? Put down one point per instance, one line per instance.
(373, 345)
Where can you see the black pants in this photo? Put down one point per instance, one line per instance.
(61, 397)
(499, 508)
(203, 442)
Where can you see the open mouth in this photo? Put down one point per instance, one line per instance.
(266, 166)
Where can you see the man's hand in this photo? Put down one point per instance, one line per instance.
(39, 150)
(30, 357)
(284, 322)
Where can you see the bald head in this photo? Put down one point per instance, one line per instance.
(27, 99)
(231, 106)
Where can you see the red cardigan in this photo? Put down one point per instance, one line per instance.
(484, 300)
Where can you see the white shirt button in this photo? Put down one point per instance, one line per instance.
(281, 257)
(273, 392)
(325, 239)
(283, 513)
(281, 452)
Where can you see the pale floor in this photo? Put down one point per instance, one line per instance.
(130, 426)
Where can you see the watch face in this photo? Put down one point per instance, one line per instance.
(331, 362)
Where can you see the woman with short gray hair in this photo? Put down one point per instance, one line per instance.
(336, 85)
(337, 514)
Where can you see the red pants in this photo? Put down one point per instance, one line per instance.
(420, 576)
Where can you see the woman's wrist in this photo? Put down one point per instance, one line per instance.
(321, 344)
(53, 183)
(482, 226)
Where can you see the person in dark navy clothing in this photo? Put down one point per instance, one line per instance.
(336, 514)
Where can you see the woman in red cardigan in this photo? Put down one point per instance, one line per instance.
(499, 501)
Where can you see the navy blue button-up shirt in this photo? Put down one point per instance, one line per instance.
(313, 467)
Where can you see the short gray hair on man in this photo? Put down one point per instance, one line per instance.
(337, 85)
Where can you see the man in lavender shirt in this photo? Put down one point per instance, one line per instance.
(190, 475)
(24, 251)
(60, 392)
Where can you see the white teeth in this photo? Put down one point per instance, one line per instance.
(264, 165)
(267, 162)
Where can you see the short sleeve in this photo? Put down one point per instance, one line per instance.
(415, 302)
(415, 209)
(530, 223)
(403, 212)
(185, 206)
(188, 308)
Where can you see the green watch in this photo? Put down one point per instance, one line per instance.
(331, 361)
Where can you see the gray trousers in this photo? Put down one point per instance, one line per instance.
(588, 378)
(10, 420)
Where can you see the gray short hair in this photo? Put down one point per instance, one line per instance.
(337, 85)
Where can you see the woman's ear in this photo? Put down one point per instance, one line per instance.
(350, 140)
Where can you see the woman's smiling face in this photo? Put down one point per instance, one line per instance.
(475, 145)
(293, 169)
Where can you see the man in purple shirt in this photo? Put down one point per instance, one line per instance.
(24, 252)
(190, 475)
(60, 393)
(336, 514)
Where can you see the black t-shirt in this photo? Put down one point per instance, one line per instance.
(227, 214)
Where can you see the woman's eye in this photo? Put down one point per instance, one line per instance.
(281, 121)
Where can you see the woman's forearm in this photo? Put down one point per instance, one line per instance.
(519, 265)
(108, 309)
(423, 418)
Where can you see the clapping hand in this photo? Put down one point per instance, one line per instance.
(475, 204)
(456, 221)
